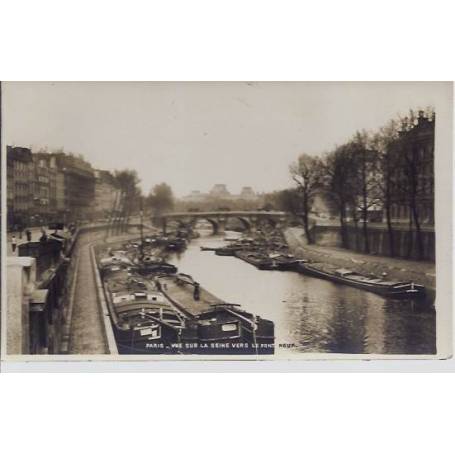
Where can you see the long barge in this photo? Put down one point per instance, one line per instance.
(393, 289)
(277, 261)
(143, 319)
(222, 327)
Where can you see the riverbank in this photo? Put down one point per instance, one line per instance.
(421, 272)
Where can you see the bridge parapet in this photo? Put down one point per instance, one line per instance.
(219, 218)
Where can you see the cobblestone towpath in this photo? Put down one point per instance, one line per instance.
(87, 331)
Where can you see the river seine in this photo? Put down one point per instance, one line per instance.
(313, 315)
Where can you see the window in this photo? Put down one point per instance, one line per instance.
(229, 327)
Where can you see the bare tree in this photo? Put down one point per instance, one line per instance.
(365, 180)
(388, 192)
(307, 174)
(338, 183)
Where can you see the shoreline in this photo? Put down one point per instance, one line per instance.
(421, 272)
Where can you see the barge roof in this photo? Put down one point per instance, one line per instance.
(182, 296)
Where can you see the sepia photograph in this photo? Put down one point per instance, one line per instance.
(227, 220)
(244, 208)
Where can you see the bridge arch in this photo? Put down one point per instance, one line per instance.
(214, 223)
(266, 221)
(175, 224)
(246, 223)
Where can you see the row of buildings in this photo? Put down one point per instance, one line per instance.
(45, 187)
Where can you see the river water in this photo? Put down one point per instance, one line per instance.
(313, 315)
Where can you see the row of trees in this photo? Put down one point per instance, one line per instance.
(371, 171)
(129, 199)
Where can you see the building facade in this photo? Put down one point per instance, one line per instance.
(413, 155)
(41, 195)
(75, 187)
(20, 185)
(220, 191)
(247, 193)
(44, 193)
(45, 187)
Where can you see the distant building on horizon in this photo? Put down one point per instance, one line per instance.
(220, 191)
(195, 196)
(247, 193)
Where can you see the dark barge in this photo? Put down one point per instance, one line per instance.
(223, 328)
(393, 289)
(143, 320)
(273, 261)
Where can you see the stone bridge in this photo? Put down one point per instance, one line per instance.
(251, 220)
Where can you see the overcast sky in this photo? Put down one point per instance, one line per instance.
(193, 135)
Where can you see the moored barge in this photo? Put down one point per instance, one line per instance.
(387, 288)
(270, 261)
(223, 328)
(143, 320)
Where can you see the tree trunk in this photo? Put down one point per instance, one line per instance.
(356, 232)
(115, 214)
(415, 215)
(365, 211)
(307, 230)
(305, 221)
(121, 214)
(344, 238)
(110, 228)
(365, 238)
(410, 231)
(390, 229)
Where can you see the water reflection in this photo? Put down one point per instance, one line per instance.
(315, 315)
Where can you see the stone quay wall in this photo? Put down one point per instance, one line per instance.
(422, 272)
(405, 242)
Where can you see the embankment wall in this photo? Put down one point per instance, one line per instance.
(396, 269)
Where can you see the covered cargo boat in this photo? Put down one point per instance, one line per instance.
(143, 320)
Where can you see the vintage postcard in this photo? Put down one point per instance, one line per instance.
(226, 220)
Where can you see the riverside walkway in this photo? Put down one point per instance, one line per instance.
(87, 331)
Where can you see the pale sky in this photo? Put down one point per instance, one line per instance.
(193, 135)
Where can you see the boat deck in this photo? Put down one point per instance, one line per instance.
(182, 296)
(121, 281)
